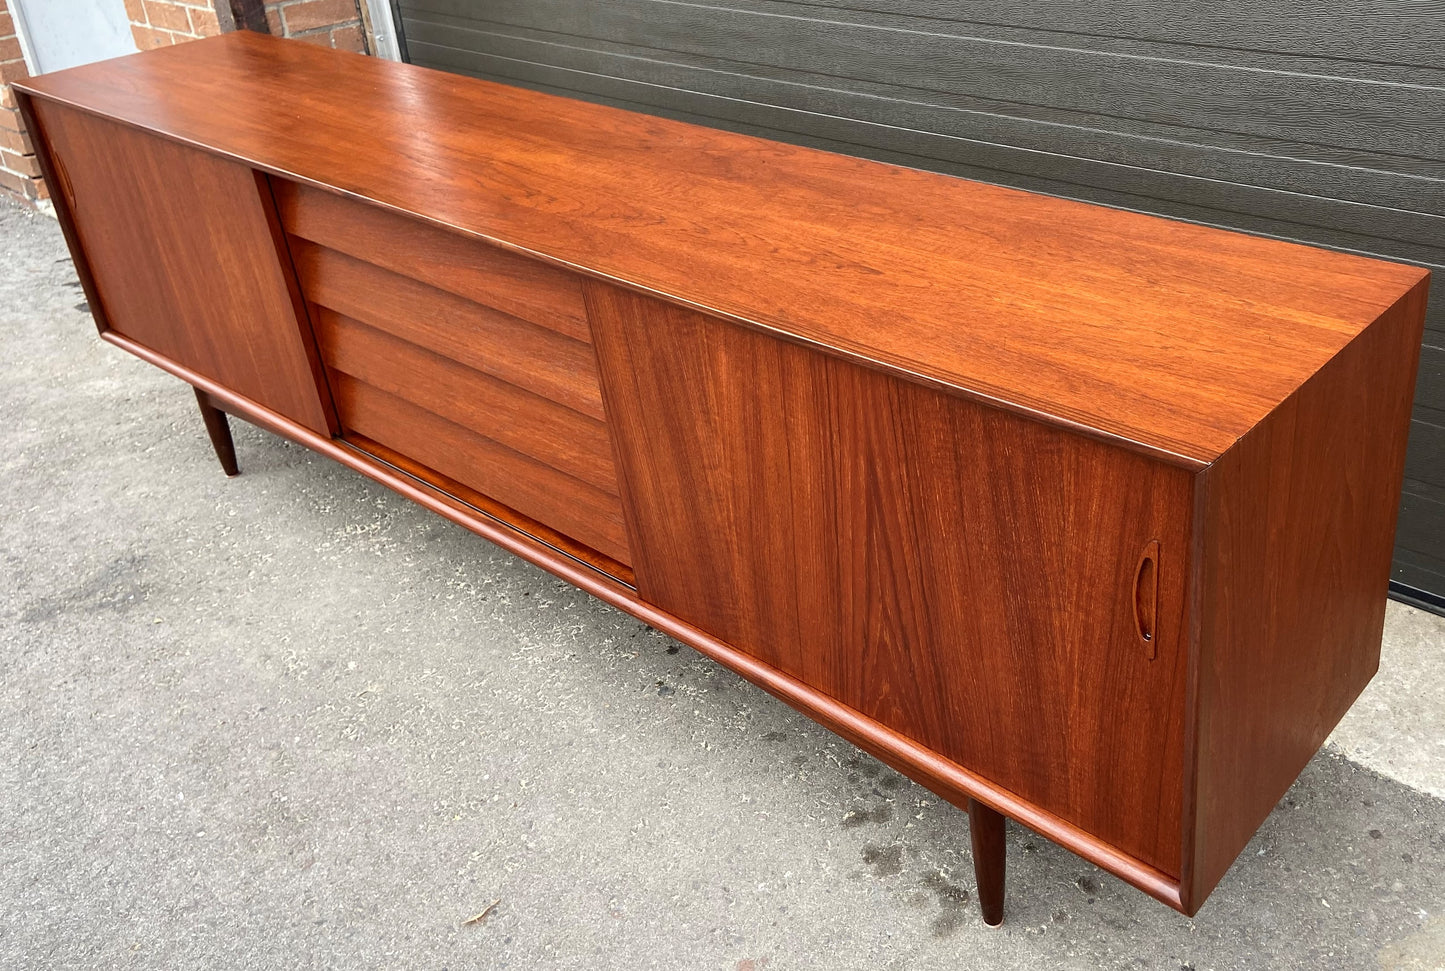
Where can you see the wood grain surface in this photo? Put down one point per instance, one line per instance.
(948, 779)
(568, 441)
(1067, 513)
(1297, 526)
(1174, 338)
(962, 575)
(1128, 103)
(487, 275)
(182, 254)
(1356, 199)
(535, 489)
(539, 359)
(452, 491)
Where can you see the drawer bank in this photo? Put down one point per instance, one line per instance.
(1075, 516)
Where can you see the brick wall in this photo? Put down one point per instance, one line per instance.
(19, 172)
(330, 23)
(158, 23)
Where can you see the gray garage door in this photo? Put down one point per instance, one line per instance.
(1319, 122)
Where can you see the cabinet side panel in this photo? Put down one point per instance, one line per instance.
(1298, 528)
(958, 574)
(183, 257)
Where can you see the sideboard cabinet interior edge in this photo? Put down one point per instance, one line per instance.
(1072, 515)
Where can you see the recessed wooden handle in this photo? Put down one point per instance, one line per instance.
(63, 177)
(1146, 598)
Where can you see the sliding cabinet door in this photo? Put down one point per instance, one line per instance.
(1008, 594)
(182, 249)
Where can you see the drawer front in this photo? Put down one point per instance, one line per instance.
(545, 362)
(572, 443)
(976, 581)
(428, 338)
(571, 507)
(487, 275)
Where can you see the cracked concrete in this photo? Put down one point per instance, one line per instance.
(291, 720)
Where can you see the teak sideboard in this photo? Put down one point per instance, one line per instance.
(1073, 515)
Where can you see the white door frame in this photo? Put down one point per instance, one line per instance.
(99, 30)
(381, 24)
(22, 34)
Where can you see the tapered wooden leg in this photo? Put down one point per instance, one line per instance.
(220, 431)
(986, 828)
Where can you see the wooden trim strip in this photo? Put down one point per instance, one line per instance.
(948, 780)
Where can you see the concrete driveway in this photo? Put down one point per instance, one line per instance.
(291, 721)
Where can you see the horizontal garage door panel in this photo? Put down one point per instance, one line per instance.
(1392, 33)
(1314, 108)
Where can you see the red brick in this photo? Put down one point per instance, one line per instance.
(311, 14)
(10, 49)
(42, 191)
(7, 26)
(167, 16)
(16, 141)
(204, 22)
(21, 164)
(349, 39)
(321, 38)
(23, 187)
(10, 118)
(135, 12)
(7, 97)
(148, 38)
(273, 21)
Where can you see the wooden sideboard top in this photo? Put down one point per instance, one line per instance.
(1173, 337)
